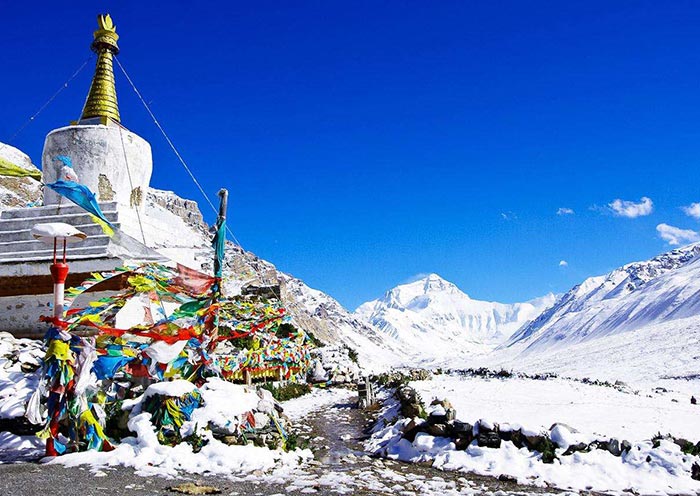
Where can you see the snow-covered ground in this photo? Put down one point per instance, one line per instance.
(590, 413)
(598, 411)
(224, 405)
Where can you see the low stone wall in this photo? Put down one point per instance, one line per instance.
(441, 422)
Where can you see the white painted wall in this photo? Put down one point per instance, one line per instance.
(95, 151)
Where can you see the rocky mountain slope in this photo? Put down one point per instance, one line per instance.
(17, 191)
(433, 316)
(311, 309)
(663, 289)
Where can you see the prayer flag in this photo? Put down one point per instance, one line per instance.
(85, 199)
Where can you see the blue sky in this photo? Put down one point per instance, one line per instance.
(366, 142)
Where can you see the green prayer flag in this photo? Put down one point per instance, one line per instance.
(7, 168)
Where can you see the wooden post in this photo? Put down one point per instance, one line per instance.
(223, 205)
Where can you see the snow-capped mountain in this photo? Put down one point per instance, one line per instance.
(663, 289)
(433, 316)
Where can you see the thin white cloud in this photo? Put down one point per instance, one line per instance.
(416, 277)
(676, 236)
(508, 216)
(565, 211)
(630, 209)
(692, 210)
(563, 263)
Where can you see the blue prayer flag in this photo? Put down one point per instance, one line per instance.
(84, 198)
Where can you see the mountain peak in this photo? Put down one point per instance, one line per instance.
(429, 284)
(431, 306)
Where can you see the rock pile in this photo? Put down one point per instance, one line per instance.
(20, 363)
(411, 402)
(507, 374)
(396, 378)
(333, 364)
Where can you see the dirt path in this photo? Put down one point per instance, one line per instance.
(334, 433)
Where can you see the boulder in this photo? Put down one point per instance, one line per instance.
(614, 447)
(562, 435)
(515, 436)
(484, 427)
(489, 440)
(437, 414)
(411, 429)
(541, 443)
(695, 472)
(507, 478)
(438, 430)
(463, 434)
(317, 373)
(462, 429)
(462, 443)
(576, 448)
(447, 409)
(411, 403)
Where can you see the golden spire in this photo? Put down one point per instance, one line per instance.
(102, 100)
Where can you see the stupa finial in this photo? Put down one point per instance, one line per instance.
(102, 100)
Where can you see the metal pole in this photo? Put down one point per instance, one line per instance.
(59, 274)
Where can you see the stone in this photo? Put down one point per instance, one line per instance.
(28, 368)
(440, 430)
(484, 426)
(437, 417)
(507, 478)
(461, 428)
(614, 447)
(443, 411)
(230, 440)
(695, 472)
(194, 488)
(515, 436)
(576, 448)
(462, 443)
(411, 404)
(533, 441)
(489, 439)
(411, 429)
(541, 443)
